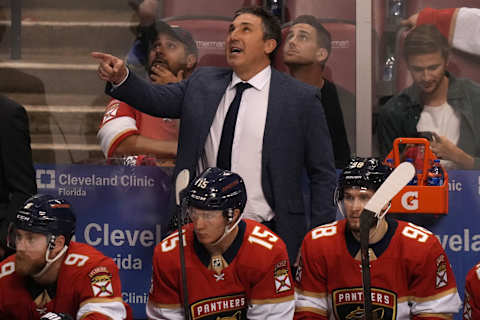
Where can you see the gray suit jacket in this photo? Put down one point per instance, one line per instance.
(296, 140)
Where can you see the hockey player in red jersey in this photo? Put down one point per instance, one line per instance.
(411, 277)
(172, 57)
(236, 268)
(52, 276)
(471, 309)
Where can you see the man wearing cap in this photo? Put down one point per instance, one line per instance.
(172, 56)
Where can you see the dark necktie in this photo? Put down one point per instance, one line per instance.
(224, 157)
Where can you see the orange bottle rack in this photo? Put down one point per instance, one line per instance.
(419, 198)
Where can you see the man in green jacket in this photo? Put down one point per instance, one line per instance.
(437, 102)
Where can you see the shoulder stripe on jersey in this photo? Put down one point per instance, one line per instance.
(311, 293)
(312, 310)
(111, 309)
(435, 297)
(163, 313)
(273, 300)
(100, 300)
(435, 315)
(109, 134)
(164, 305)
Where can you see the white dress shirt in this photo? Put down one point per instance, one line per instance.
(247, 141)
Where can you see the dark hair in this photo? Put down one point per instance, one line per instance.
(425, 39)
(324, 39)
(270, 23)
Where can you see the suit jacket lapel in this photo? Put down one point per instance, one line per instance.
(275, 100)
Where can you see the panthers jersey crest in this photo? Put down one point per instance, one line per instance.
(348, 304)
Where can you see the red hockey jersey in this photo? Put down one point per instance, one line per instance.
(256, 284)
(88, 287)
(410, 277)
(471, 309)
(121, 121)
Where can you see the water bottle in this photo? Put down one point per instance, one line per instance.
(435, 176)
(397, 8)
(388, 69)
(276, 7)
(414, 180)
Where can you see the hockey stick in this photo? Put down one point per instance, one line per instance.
(389, 188)
(181, 183)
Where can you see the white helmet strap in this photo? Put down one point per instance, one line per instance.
(49, 261)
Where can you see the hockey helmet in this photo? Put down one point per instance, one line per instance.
(367, 173)
(47, 215)
(217, 189)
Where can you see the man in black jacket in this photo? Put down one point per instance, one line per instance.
(17, 177)
(307, 48)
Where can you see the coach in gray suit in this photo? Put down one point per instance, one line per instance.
(280, 130)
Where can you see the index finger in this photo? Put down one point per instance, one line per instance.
(101, 56)
(436, 137)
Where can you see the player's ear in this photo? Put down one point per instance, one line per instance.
(235, 215)
(60, 242)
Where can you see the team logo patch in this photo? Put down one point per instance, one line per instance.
(441, 279)
(281, 276)
(101, 282)
(348, 304)
(111, 112)
(232, 307)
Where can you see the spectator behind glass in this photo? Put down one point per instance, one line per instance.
(172, 56)
(280, 129)
(437, 102)
(17, 176)
(146, 9)
(456, 24)
(147, 12)
(307, 48)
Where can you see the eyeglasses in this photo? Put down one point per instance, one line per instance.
(195, 214)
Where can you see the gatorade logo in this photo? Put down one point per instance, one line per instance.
(45, 179)
(410, 200)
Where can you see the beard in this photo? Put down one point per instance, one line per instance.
(172, 67)
(26, 266)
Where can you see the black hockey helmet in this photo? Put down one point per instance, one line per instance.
(217, 189)
(47, 215)
(368, 173)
